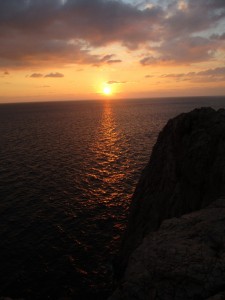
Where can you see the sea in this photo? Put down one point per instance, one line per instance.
(67, 174)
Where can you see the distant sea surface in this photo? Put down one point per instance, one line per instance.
(67, 174)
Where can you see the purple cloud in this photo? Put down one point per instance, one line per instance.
(209, 75)
(36, 75)
(183, 50)
(54, 75)
(38, 32)
(114, 61)
(218, 37)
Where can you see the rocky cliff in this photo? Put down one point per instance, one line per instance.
(186, 172)
(183, 260)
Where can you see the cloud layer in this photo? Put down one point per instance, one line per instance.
(42, 32)
(209, 75)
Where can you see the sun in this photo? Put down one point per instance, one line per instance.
(107, 90)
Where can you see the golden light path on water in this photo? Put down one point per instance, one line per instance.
(108, 151)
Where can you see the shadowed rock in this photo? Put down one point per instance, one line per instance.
(183, 260)
(185, 173)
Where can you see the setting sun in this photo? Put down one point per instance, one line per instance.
(107, 90)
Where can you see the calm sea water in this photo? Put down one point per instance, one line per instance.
(67, 173)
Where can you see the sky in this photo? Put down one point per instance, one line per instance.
(94, 49)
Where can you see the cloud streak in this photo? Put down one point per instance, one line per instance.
(116, 82)
(49, 75)
(36, 75)
(209, 75)
(54, 75)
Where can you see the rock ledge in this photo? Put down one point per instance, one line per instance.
(183, 260)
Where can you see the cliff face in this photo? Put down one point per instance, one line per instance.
(185, 173)
(183, 260)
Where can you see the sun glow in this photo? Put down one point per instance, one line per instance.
(107, 90)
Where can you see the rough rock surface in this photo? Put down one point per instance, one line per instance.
(183, 260)
(185, 173)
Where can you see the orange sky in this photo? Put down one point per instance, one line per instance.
(74, 49)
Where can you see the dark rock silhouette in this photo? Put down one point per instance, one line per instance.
(183, 260)
(186, 172)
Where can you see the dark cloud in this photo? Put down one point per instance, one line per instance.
(149, 76)
(6, 73)
(17, 51)
(40, 32)
(148, 60)
(182, 40)
(36, 30)
(209, 75)
(106, 59)
(54, 75)
(191, 16)
(176, 75)
(36, 75)
(50, 75)
(217, 71)
(218, 37)
(114, 61)
(183, 50)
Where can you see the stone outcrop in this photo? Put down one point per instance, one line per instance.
(185, 173)
(183, 260)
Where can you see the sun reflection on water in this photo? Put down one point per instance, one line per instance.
(108, 149)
